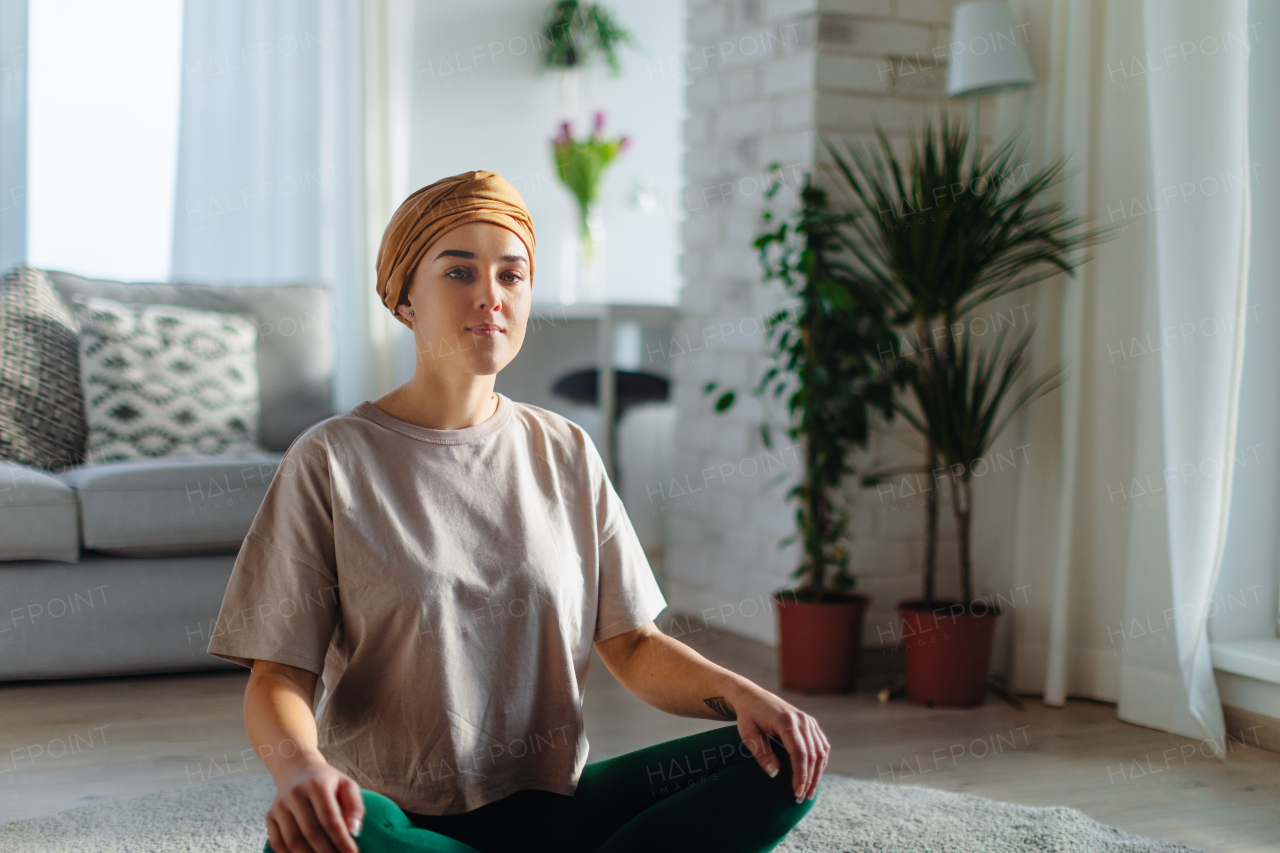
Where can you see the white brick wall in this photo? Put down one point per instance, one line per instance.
(769, 79)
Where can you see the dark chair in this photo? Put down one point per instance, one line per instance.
(583, 386)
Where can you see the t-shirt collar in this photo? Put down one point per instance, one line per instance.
(440, 436)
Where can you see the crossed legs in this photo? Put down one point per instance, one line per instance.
(696, 793)
(727, 802)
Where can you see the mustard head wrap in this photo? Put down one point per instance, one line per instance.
(429, 213)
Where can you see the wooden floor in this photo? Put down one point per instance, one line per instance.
(64, 744)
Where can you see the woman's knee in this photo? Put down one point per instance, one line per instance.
(767, 807)
(781, 796)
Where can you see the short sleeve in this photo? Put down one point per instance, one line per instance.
(282, 600)
(629, 593)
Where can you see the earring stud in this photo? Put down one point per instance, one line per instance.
(410, 313)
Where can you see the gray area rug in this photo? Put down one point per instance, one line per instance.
(850, 816)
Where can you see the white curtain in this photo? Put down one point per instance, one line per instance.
(389, 74)
(274, 164)
(1202, 260)
(1246, 596)
(1121, 536)
(13, 132)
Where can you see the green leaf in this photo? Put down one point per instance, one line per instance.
(725, 401)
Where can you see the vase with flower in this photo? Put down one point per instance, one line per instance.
(581, 165)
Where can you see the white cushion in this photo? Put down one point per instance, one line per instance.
(170, 507)
(295, 340)
(161, 381)
(37, 516)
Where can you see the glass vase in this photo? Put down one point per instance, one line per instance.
(591, 255)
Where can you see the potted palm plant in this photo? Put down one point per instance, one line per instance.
(825, 348)
(960, 409)
(934, 238)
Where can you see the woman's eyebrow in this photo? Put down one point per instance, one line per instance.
(471, 256)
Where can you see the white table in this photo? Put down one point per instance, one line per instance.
(608, 315)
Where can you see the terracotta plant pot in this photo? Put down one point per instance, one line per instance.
(947, 652)
(818, 642)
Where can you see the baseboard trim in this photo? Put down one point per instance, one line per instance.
(1251, 729)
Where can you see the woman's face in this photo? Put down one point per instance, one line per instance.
(470, 296)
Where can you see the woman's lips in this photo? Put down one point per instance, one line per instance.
(486, 330)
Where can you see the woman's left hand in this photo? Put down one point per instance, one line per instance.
(762, 714)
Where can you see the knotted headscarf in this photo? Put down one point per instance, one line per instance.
(429, 213)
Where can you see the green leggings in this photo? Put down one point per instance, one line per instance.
(696, 793)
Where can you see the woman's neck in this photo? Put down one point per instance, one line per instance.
(437, 405)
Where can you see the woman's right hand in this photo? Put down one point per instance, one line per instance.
(317, 809)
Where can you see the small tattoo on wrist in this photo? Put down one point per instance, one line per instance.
(721, 707)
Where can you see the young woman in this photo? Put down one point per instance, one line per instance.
(444, 559)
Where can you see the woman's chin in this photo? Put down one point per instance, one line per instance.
(487, 364)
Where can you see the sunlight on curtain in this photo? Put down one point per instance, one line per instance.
(1121, 536)
(270, 185)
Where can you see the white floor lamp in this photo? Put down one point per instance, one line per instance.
(988, 55)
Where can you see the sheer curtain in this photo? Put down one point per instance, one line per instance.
(13, 132)
(1121, 539)
(1252, 558)
(286, 124)
(1202, 266)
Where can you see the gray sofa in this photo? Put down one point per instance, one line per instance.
(119, 567)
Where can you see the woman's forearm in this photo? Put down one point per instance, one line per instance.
(671, 676)
(279, 719)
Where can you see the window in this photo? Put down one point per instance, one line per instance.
(102, 135)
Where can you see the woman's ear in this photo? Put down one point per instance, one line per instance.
(405, 308)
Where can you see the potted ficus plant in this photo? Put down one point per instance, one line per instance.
(825, 346)
(934, 238)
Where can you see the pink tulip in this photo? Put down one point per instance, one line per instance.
(624, 144)
(563, 138)
(598, 129)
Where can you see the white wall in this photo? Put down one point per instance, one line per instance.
(483, 101)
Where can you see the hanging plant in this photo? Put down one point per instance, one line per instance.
(581, 164)
(579, 33)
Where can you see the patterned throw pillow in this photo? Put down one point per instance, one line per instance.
(42, 421)
(160, 380)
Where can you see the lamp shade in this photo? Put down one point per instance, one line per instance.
(987, 50)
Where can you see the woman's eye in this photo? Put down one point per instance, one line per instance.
(465, 273)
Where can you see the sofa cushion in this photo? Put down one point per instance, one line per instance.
(295, 341)
(108, 616)
(165, 381)
(170, 507)
(38, 517)
(42, 422)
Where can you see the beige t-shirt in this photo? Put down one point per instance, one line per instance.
(447, 585)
